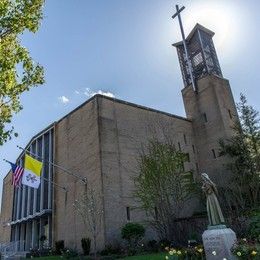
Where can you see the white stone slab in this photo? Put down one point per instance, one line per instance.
(218, 242)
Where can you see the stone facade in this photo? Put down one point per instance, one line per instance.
(6, 209)
(213, 113)
(100, 141)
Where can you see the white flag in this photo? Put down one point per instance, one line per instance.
(32, 172)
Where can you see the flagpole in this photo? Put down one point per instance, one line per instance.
(84, 180)
(54, 183)
(6, 161)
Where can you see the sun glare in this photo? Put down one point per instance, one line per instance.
(218, 18)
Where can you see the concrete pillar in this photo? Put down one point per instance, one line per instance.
(22, 234)
(41, 229)
(34, 234)
(50, 230)
(23, 210)
(28, 238)
(18, 204)
(35, 190)
(42, 176)
(16, 232)
(29, 200)
(50, 172)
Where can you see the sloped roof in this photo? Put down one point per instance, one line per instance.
(195, 28)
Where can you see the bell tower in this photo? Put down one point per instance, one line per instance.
(207, 98)
(202, 55)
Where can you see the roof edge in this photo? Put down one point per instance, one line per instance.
(197, 26)
(88, 101)
(142, 107)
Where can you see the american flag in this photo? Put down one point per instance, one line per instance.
(17, 174)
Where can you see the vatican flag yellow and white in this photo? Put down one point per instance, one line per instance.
(32, 172)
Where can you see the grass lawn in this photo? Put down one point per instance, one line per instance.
(48, 257)
(158, 256)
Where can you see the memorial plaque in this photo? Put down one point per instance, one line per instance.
(218, 242)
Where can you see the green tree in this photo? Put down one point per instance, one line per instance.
(18, 72)
(163, 187)
(242, 194)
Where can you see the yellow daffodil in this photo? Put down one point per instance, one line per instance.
(239, 253)
(200, 250)
(170, 252)
(244, 239)
(253, 253)
(166, 257)
(179, 252)
(166, 248)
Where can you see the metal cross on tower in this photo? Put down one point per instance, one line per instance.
(178, 13)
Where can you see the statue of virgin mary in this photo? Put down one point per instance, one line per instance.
(215, 215)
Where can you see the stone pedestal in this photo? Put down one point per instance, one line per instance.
(217, 243)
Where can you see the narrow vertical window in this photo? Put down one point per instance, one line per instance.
(128, 213)
(182, 166)
(185, 139)
(230, 114)
(156, 213)
(179, 146)
(197, 167)
(205, 117)
(193, 148)
(188, 157)
(214, 154)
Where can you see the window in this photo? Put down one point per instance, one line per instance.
(214, 154)
(187, 157)
(230, 114)
(185, 139)
(156, 213)
(193, 148)
(128, 213)
(197, 167)
(205, 117)
(197, 59)
(179, 146)
(182, 166)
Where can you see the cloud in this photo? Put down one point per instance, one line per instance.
(90, 93)
(63, 99)
(77, 92)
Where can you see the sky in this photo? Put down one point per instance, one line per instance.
(123, 48)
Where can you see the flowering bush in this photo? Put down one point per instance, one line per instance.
(35, 252)
(196, 252)
(59, 247)
(69, 253)
(246, 249)
(85, 244)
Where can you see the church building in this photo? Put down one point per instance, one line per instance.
(96, 146)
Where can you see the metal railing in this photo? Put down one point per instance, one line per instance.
(11, 248)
